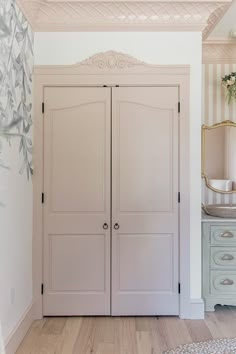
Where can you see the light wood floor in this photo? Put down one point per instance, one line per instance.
(124, 335)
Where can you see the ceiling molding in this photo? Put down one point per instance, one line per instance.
(112, 15)
(219, 51)
(214, 18)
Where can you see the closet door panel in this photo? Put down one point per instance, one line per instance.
(145, 201)
(142, 162)
(77, 201)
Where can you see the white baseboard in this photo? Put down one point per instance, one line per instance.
(196, 309)
(15, 338)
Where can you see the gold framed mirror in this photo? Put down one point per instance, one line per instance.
(219, 156)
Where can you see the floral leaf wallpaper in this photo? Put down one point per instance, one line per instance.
(16, 66)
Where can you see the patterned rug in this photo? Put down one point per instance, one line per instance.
(215, 346)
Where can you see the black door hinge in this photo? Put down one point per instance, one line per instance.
(178, 107)
(42, 107)
(179, 288)
(42, 289)
(178, 197)
(42, 198)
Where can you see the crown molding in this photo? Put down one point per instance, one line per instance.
(214, 18)
(112, 15)
(219, 51)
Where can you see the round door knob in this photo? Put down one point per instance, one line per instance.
(116, 226)
(105, 226)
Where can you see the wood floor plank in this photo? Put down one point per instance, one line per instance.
(198, 330)
(127, 335)
(94, 333)
(174, 331)
(103, 334)
(31, 340)
(54, 325)
(146, 323)
(213, 325)
(85, 341)
(70, 334)
(159, 339)
(49, 343)
(226, 320)
(105, 348)
(106, 331)
(144, 343)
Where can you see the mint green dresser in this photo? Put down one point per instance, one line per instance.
(219, 261)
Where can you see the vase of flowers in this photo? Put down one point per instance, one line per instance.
(229, 83)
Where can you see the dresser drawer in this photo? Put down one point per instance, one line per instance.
(222, 282)
(223, 257)
(223, 234)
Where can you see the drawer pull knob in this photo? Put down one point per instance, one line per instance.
(226, 282)
(226, 234)
(227, 257)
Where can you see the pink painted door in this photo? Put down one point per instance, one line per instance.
(77, 201)
(145, 201)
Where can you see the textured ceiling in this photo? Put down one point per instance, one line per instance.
(73, 15)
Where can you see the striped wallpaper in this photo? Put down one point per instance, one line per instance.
(214, 110)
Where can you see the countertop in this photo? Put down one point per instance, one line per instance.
(206, 218)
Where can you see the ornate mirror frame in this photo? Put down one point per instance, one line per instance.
(226, 123)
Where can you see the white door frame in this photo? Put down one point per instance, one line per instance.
(111, 69)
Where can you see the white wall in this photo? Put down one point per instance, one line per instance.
(16, 153)
(15, 241)
(153, 48)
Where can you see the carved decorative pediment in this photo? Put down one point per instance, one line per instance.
(182, 15)
(111, 60)
(113, 64)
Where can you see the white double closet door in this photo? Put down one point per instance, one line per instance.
(111, 201)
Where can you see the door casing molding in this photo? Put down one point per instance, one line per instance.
(111, 69)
